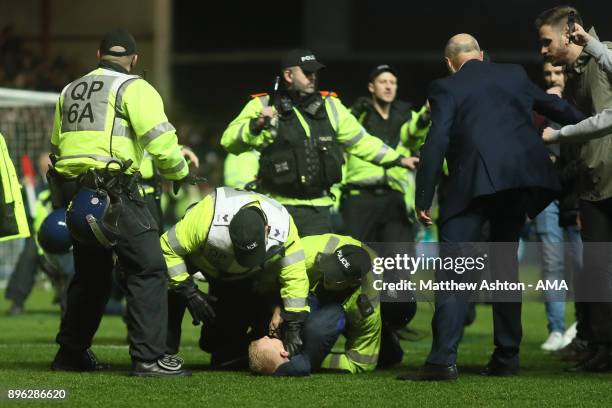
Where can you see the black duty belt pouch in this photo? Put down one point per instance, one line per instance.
(332, 160)
(128, 215)
(8, 221)
(278, 168)
(62, 189)
(327, 152)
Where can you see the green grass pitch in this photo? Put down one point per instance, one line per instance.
(27, 347)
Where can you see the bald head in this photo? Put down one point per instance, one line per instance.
(459, 49)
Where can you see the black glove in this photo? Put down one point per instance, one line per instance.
(198, 303)
(291, 331)
(188, 179)
(361, 105)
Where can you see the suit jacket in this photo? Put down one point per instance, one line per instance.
(482, 123)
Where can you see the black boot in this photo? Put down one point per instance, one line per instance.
(599, 361)
(71, 360)
(167, 366)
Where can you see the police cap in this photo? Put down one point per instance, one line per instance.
(380, 69)
(301, 58)
(118, 43)
(247, 232)
(344, 267)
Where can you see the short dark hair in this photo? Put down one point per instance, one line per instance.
(556, 15)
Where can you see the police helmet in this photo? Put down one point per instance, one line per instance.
(85, 216)
(53, 235)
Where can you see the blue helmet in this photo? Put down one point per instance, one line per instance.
(85, 216)
(53, 235)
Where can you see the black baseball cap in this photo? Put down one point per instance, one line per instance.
(247, 232)
(301, 58)
(118, 38)
(344, 267)
(380, 69)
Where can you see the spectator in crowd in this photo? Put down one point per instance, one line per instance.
(557, 220)
(589, 87)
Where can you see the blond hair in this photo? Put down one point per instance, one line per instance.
(261, 360)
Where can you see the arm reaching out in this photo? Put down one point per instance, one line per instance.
(594, 127)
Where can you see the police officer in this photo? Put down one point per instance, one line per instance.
(339, 272)
(386, 195)
(103, 123)
(370, 341)
(22, 279)
(302, 136)
(232, 237)
(12, 210)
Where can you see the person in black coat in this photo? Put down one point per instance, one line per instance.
(499, 171)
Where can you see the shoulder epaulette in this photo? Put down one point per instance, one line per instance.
(257, 95)
(328, 93)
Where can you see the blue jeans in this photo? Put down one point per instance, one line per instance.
(553, 260)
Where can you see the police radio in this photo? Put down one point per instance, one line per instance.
(268, 123)
(274, 95)
(280, 100)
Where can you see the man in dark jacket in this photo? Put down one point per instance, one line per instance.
(499, 171)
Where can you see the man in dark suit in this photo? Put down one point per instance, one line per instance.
(499, 171)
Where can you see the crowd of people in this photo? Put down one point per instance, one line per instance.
(282, 242)
(22, 68)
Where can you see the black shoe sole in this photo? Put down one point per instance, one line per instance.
(169, 374)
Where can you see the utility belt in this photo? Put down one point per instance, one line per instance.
(114, 182)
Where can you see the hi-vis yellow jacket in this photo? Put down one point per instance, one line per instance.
(13, 219)
(240, 170)
(202, 238)
(411, 138)
(237, 138)
(109, 116)
(362, 332)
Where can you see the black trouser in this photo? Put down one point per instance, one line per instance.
(241, 316)
(22, 279)
(596, 276)
(506, 213)
(154, 205)
(376, 215)
(138, 249)
(310, 220)
(394, 315)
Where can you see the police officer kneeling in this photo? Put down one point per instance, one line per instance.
(240, 240)
(103, 123)
(343, 300)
